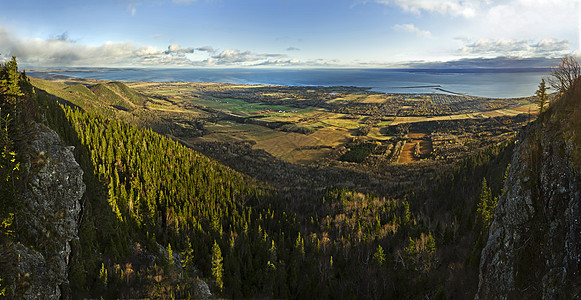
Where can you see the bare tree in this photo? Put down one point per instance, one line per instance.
(565, 74)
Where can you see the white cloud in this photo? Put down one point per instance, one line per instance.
(411, 28)
(247, 58)
(147, 50)
(530, 18)
(525, 28)
(279, 62)
(177, 49)
(464, 8)
(549, 46)
(517, 48)
(62, 51)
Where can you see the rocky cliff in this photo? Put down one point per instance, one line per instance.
(534, 244)
(48, 222)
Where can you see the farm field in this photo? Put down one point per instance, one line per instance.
(418, 146)
(314, 125)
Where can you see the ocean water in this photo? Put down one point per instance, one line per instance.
(475, 82)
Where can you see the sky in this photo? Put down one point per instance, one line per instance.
(289, 33)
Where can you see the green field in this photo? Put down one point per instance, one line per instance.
(243, 108)
(226, 130)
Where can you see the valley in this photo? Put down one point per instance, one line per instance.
(340, 184)
(183, 149)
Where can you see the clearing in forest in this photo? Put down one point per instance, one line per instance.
(408, 152)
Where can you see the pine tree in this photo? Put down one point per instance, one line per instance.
(103, 275)
(217, 267)
(169, 255)
(379, 256)
(486, 207)
(272, 258)
(188, 260)
(10, 79)
(542, 95)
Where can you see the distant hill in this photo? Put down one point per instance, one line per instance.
(118, 95)
(95, 97)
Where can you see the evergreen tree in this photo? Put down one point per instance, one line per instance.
(169, 255)
(486, 207)
(217, 268)
(10, 81)
(188, 261)
(542, 95)
(379, 256)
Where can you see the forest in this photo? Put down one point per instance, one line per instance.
(159, 218)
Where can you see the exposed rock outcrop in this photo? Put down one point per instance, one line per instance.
(534, 245)
(50, 213)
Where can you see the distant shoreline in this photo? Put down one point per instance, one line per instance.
(419, 86)
(497, 83)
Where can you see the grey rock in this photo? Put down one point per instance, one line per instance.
(202, 290)
(534, 244)
(49, 221)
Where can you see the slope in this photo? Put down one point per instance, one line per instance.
(534, 245)
(118, 95)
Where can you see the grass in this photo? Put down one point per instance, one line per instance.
(76, 94)
(375, 99)
(243, 108)
(289, 146)
(285, 145)
(106, 95)
(375, 133)
(127, 93)
(342, 123)
(251, 132)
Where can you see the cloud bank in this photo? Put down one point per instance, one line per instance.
(520, 48)
(503, 62)
(61, 51)
(463, 8)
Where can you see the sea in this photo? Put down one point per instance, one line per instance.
(490, 83)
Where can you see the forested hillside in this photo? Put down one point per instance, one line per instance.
(161, 220)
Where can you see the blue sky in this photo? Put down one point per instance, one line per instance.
(286, 33)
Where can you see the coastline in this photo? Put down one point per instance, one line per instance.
(481, 83)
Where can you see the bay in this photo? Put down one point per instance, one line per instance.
(492, 83)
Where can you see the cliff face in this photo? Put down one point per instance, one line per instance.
(534, 245)
(49, 217)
